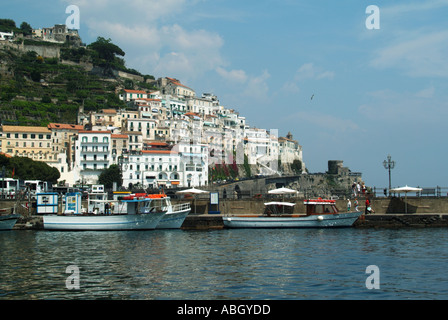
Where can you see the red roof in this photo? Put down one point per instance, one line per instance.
(177, 83)
(160, 151)
(119, 136)
(86, 131)
(134, 91)
(65, 126)
(158, 143)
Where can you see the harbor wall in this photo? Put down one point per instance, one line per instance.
(389, 212)
(394, 205)
(419, 205)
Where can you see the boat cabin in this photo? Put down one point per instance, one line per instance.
(320, 206)
(276, 208)
(97, 202)
(139, 203)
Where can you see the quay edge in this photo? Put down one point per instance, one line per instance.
(214, 221)
(422, 212)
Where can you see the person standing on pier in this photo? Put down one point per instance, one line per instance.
(367, 210)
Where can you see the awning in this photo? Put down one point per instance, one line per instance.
(288, 204)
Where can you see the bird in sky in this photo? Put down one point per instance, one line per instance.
(312, 96)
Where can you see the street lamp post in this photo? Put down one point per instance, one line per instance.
(389, 164)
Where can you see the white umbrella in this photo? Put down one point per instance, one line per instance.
(282, 191)
(193, 191)
(406, 189)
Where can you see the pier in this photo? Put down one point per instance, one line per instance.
(389, 213)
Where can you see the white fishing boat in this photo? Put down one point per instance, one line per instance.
(132, 213)
(175, 216)
(8, 221)
(320, 213)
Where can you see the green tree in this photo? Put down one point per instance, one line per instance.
(247, 166)
(27, 169)
(26, 29)
(296, 166)
(105, 54)
(109, 176)
(7, 25)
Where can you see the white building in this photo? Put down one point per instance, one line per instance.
(6, 35)
(152, 168)
(201, 106)
(129, 95)
(290, 150)
(176, 106)
(193, 163)
(92, 155)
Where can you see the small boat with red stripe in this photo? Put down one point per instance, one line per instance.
(320, 213)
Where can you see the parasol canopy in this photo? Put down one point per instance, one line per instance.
(282, 191)
(405, 190)
(193, 191)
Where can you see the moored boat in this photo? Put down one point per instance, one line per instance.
(175, 216)
(131, 212)
(8, 221)
(320, 213)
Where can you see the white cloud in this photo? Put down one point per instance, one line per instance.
(411, 110)
(326, 122)
(426, 93)
(153, 43)
(308, 71)
(290, 87)
(414, 6)
(257, 87)
(419, 55)
(238, 76)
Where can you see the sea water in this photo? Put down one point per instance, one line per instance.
(278, 264)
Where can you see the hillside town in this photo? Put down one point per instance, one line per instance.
(168, 137)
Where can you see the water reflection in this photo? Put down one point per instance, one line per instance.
(224, 264)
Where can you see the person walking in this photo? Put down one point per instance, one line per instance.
(356, 205)
(349, 205)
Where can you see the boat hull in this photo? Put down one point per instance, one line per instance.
(103, 222)
(173, 220)
(7, 222)
(312, 221)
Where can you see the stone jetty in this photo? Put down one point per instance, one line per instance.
(389, 213)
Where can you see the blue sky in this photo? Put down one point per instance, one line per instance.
(376, 92)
